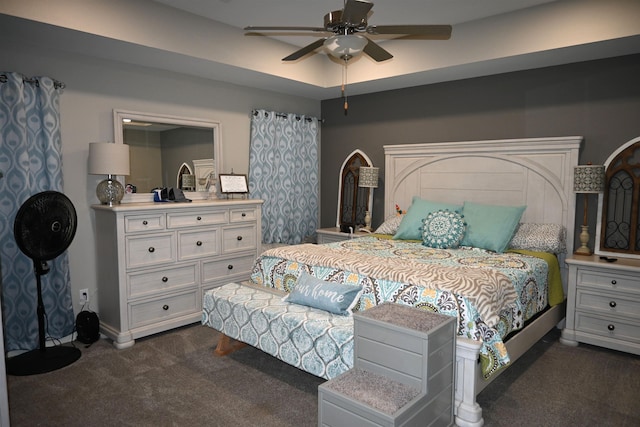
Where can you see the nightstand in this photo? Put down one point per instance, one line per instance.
(333, 234)
(603, 303)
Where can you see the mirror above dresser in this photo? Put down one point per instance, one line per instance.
(168, 151)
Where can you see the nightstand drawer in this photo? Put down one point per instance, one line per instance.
(161, 279)
(145, 313)
(150, 250)
(608, 326)
(607, 303)
(614, 281)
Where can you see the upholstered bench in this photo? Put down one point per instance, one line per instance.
(313, 340)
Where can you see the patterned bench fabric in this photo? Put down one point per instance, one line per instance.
(313, 340)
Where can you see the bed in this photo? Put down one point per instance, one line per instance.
(498, 321)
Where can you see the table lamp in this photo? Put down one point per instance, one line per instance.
(587, 179)
(368, 177)
(107, 158)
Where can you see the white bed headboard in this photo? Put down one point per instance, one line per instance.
(536, 172)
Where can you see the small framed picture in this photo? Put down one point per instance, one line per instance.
(233, 183)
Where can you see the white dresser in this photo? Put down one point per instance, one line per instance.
(603, 303)
(156, 260)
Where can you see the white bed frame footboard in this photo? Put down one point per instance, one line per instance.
(536, 172)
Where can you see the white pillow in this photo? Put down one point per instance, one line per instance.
(390, 225)
(540, 237)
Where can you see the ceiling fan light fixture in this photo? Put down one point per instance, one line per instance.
(345, 46)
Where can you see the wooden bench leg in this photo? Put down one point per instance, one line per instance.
(227, 345)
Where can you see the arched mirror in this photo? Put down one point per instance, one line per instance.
(161, 146)
(353, 200)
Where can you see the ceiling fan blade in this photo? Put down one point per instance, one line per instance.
(305, 50)
(376, 52)
(429, 32)
(355, 11)
(314, 29)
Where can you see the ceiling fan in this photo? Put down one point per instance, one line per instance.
(349, 27)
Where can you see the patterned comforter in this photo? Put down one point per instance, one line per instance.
(490, 294)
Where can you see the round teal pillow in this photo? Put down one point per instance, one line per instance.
(443, 229)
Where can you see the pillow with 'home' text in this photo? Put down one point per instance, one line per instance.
(328, 296)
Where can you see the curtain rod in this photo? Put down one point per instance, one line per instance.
(56, 84)
(282, 115)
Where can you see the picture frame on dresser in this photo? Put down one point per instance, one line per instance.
(233, 184)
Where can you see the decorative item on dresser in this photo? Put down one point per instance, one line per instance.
(157, 259)
(603, 303)
(587, 179)
(107, 158)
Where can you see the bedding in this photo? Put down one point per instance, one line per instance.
(490, 294)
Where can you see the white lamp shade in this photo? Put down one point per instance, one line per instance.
(368, 177)
(588, 179)
(345, 46)
(108, 158)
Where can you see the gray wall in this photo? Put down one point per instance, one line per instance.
(599, 100)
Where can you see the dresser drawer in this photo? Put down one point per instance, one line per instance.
(153, 311)
(613, 281)
(242, 215)
(147, 222)
(161, 279)
(219, 269)
(236, 239)
(197, 219)
(611, 327)
(148, 250)
(198, 243)
(603, 302)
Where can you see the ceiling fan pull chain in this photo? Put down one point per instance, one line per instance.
(344, 84)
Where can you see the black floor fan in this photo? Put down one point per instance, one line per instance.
(44, 228)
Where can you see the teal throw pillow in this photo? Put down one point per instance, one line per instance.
(490, 226)
(328, 296)
(410, 227)
(443, 229)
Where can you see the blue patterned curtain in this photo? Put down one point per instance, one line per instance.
(31, 162)
(283, 171)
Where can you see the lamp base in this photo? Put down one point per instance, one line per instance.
(110, 191)
(584, 241)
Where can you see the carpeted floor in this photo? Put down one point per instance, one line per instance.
(172, 379)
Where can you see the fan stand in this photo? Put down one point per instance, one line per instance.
(43, 359)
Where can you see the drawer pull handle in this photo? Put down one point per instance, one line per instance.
(165, 279)
(145, 222)
(152, 249)
(611, 327)
(613, 282)
(230, 266)
(244, 214)
(165, 307)
(612, 304)
(198, 243)
(199, 218)
(239, 238)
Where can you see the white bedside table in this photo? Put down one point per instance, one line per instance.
(603, 303)
(333, 234)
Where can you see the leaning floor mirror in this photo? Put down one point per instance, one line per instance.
(168, 151)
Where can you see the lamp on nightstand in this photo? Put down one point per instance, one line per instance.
(587, 179)
(368, 177)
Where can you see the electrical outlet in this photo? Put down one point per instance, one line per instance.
(84, 296)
